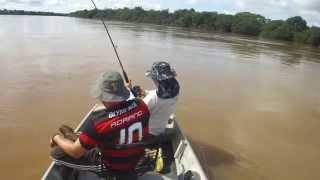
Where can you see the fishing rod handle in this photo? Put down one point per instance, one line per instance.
(125, 76)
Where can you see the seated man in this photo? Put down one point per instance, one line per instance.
(123, 122)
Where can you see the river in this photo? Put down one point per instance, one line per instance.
(250, 107)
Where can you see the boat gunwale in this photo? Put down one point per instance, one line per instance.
(77, 129)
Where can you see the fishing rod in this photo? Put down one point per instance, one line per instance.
(114, 47)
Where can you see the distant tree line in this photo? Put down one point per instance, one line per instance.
(245, 23)
(23, 12)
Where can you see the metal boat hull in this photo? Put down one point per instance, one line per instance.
(185, 159)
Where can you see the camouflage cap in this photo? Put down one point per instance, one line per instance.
(161, 71)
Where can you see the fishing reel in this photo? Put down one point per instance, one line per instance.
(191, 175)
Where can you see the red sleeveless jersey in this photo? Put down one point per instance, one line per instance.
(125, 124)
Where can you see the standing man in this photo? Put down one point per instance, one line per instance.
(162, 100)
(122, 122)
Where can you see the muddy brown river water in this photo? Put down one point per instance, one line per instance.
(251, 107)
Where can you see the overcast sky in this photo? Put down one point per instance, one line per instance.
(274, 9)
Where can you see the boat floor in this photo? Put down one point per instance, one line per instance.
(84, 175)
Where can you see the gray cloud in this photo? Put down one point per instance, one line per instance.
(278, 9)
(314, 7)
(27, 2)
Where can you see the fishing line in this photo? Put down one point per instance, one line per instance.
(114, 47)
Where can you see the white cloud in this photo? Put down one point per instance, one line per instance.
(240, 4)
(147, 4)
(191, 1)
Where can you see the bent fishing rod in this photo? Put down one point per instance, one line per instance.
(114, 47)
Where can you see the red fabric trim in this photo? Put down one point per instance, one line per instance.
(145, 131)
(135, 137)
(105, 126)
(123, 152)
(122, 167)
(87, 140)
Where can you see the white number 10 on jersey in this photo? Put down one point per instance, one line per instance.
(131, 129)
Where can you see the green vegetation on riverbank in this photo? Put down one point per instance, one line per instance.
(245, 23)
(22, 12)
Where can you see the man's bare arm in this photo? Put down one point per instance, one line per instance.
(73, 149)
